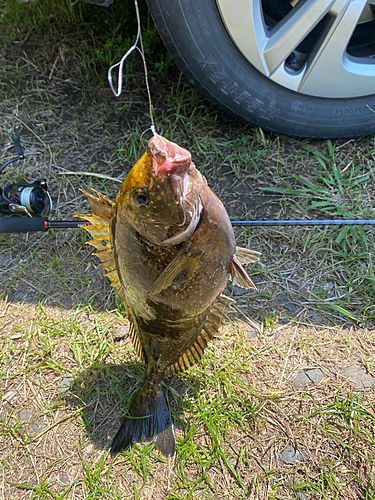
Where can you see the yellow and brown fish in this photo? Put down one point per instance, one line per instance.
(168, 247)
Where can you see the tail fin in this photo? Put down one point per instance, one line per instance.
(149, 419)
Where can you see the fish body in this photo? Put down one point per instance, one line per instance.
(171, 251)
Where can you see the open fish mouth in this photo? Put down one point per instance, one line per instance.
(166, 154)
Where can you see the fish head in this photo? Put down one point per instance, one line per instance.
(160, 195)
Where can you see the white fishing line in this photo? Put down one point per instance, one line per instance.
(120, 65)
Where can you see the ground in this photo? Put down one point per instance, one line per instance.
(281, 405)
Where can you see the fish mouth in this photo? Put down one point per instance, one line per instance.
(166, 154)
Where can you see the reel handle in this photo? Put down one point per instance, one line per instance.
(17, 144)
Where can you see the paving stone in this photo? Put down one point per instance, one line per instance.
(65, 383)
(291, 456)
(361, 380)
(308, 377)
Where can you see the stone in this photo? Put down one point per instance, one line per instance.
(308, 377)
(317, 319)
(5, 261)
(301, 496)
(5, 411)
(38, 427)
(88, 449)
(283, 300)
(16, 336)
(65, 383)
(357, 377)
(9, 396)
(22, 296)
(356, 355)
(64, 479)
(24, 415)
(252, 334)
(291, 456)
(236, 290)
(121, 332)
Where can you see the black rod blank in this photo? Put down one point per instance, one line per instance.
(305, 222)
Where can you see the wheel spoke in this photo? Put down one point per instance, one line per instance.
(245, 23)
(289, 32)
(341, 72)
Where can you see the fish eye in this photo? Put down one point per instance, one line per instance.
(141, 197)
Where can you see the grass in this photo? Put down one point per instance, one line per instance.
(237, 410)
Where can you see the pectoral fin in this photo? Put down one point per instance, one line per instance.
(182, 265)
(239, 275)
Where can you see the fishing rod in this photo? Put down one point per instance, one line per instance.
(32, 224)
(34, 200)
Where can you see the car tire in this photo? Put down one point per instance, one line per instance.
(194, 33)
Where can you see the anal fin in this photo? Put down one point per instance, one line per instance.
(133, 334)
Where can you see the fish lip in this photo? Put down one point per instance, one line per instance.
(166, 155)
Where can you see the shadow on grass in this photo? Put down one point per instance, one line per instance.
(104, 393)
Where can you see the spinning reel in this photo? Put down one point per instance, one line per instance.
(24, 198)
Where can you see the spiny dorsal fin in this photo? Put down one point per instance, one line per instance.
(100, 205)
(195, 350)
(239, 275)
(100, 232)
(247, 256)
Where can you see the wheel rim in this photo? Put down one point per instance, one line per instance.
(322, 48)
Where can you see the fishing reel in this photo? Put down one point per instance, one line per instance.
(24, 198)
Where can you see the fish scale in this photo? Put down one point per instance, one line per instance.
(168, 247)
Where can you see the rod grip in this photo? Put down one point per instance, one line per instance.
(17, 144)
(22, 224)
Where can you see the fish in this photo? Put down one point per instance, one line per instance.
(168, 248)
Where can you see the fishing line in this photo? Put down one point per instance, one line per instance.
(120, 66)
